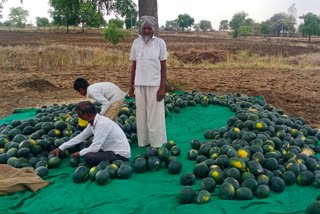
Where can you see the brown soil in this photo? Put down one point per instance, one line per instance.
(196, 56)
(297, 92)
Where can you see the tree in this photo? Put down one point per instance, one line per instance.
(7, 23)
(224, 25)
(245, 30)
(131, 19)
(280, 22)
(239, 19)
(185, 21)
(172, 25)
(89, 15)
(1, 7)
(114, 34)
(311, 25)
(264, 28)
(292, 18)
(118, 22)
(149, 8)
(42, 21)
(65, 13)
(18, 16)
(205, 25)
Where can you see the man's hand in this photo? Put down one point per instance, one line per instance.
(56, 151)
(160, 94)
(131, 91)
(77, 154)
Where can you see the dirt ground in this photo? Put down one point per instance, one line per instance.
(297, 92)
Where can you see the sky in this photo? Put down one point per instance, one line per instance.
(212, 10)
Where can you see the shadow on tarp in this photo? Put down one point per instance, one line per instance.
(153, 192)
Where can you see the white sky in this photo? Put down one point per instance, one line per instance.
(212, 10)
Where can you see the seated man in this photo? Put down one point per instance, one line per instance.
(109, 141)
(108, 94)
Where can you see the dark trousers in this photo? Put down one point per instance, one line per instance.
(94, 158)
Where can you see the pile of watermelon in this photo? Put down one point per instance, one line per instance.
(260, 150)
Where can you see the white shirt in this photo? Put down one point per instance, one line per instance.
(107, 136)
(148, 57)
(105, 93)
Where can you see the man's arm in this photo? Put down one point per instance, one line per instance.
(103, 100)
(162, 89)
(77, 139)
(133, 75)
(74, 141)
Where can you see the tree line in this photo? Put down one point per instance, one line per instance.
(280, 24)
(84, 13)
(89, 13)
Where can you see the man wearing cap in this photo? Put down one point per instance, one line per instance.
(147, 84)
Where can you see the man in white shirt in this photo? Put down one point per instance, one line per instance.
(108, 94)
(147, 84)
(109, 141)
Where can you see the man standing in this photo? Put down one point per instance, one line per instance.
(147, 84)
(106, 93)
(109, 141)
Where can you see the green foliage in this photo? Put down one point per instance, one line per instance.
(224, 25)
(131, 19)
(42, 21)
(264, 28)
(65, 13)
(119, 7)
(245, 31)
(89, 15)
(113, 34)
(6, 23)
(75, 12)
(118, 22)
(311, 25)
(238, 20)
(18, 16)
(185, 21)
(205, 25)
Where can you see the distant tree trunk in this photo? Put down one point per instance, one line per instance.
(67, 28)
(82, 27)
(149, 8)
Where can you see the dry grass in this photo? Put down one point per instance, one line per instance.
(52, 56)
(246, 60)
(60, 56)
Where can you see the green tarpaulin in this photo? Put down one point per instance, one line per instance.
(20, 114)
(153, 192)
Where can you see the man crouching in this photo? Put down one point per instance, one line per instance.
(109, 141)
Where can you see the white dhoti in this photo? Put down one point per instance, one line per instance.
(151, 124)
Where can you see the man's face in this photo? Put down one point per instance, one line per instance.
(83, 116)
(147, 30)
(82, 91)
